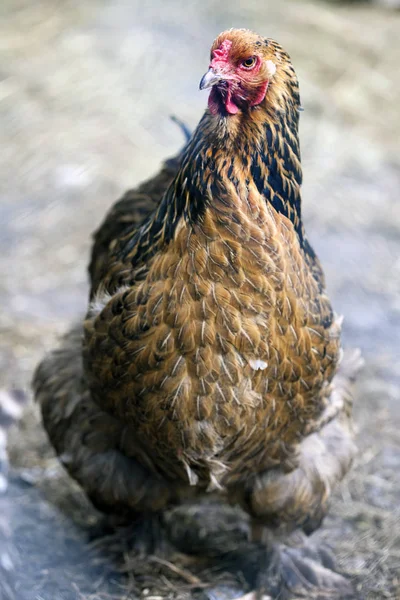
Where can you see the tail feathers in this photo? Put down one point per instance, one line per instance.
(182, 126)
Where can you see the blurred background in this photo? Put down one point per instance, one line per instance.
(86, 93)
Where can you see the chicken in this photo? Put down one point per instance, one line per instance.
(209, 357)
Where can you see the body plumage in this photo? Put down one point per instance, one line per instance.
(210, 349)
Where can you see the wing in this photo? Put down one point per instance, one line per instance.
(89, 442)
(96, 449)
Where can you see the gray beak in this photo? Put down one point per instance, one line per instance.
(209, 79)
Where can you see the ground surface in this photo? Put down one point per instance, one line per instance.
(86, 90)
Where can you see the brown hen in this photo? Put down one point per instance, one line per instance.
(208, 359)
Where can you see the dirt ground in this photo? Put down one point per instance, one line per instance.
(86, 92)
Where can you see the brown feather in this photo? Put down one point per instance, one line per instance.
(210, 347)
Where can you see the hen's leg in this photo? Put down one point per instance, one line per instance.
(91, 444)
(299, 499)
(283, 572)
(300, 496)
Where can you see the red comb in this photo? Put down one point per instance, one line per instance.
(222, 52)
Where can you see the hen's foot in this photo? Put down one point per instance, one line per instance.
(206, 528)
(285, 573)
(142, 535)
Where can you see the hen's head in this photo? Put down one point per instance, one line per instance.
(242, 66)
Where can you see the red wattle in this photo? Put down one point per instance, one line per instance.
(215, 99)
(230, 106)
(213, 102)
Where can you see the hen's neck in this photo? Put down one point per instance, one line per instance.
(260, 148)
(225, 157)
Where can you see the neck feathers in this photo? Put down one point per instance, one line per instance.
(224, 160)
(260, 148)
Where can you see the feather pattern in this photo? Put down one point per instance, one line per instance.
(208, 357)
(220, 274)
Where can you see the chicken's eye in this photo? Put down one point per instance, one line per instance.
(249, 62)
